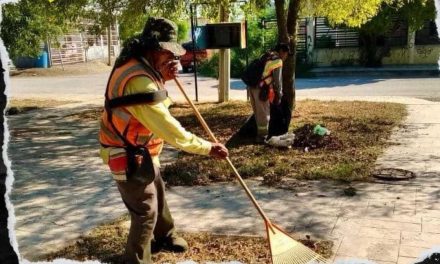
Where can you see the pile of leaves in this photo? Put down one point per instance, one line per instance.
(306, 138)
(106, 243)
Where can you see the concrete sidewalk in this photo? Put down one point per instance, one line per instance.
(62, 190)
(415, 70)
(386, 223)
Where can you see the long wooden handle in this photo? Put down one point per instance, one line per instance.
(214, 139)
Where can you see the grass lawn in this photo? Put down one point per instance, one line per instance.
(106, 243)
(359, 131)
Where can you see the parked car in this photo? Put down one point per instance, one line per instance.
(187, 59)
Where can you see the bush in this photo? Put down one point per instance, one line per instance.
(237, 65)
(209, 68)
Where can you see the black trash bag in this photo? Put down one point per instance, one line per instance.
(280, 116)
(249, 128)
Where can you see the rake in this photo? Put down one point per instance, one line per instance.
(283, 248)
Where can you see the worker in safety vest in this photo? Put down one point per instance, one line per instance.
(134, 125)
(269, 89)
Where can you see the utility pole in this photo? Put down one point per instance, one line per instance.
(224, 60)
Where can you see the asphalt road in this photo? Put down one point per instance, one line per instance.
(91, 87)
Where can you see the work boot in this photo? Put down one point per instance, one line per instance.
(174, 243)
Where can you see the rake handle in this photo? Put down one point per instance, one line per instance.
(213, 138)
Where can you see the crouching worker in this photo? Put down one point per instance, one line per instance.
(263, 78)
(134, 125)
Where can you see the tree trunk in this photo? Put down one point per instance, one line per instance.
(280, 116)
(287, 29)
(281, 21)
(290, 64)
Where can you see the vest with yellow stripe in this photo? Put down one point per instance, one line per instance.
(118, 126)
(272, 63)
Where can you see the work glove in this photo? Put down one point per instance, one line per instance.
(218, 151)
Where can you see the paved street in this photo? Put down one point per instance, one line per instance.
(62, 189)
(90, 88)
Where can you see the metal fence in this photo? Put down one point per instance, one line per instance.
(327, 36)
(301, 40)
(334, 37)
(77, 46)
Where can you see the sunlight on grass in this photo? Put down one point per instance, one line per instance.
(359, 133)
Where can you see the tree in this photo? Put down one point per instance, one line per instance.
(350, 12)
(374, 43)
(106, 13)
(28, 24)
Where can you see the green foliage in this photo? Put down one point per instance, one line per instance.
(237, 65)
(130, 25)
(104, 13)
(352, 13)
(26, 25)
(259, 41)
(416, 12)
(171, 9)
(134, 14)
(209, 67)
(375, 31)
(183, 30)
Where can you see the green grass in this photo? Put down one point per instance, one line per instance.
(359, 133)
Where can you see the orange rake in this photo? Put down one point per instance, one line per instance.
(283, 248)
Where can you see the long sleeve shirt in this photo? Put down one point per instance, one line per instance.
(272, 74)
(157, 118)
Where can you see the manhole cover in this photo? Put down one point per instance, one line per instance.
(392, 174)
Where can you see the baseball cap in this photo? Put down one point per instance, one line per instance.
(164, 32)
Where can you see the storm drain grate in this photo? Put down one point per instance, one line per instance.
(393, 174)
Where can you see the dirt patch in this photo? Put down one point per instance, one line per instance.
(106, 243)
(83, 68)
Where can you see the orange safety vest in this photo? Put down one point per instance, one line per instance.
(272, 63)
(122, 120)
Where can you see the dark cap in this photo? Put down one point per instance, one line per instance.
(164, 33)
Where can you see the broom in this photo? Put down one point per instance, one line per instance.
(283, 248)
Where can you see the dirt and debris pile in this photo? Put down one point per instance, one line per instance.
(305, 137)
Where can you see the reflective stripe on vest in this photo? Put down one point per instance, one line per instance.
(270, 66)
(126, 124)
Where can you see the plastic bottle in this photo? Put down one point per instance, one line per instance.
(320, 131)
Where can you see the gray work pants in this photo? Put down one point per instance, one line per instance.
(150, 217)
(261, 110)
